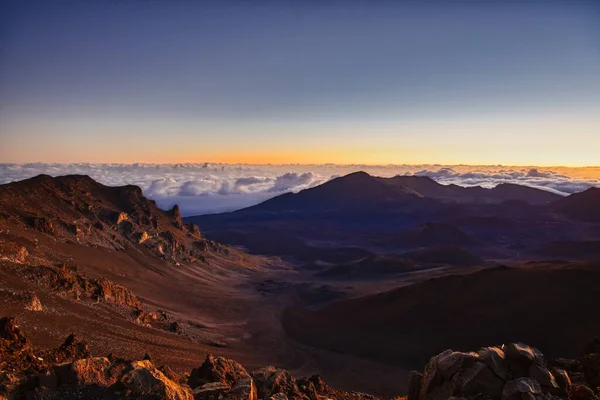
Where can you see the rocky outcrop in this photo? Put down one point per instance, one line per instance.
(142, 380)
(41, 224)
(67, 281)
(12, 252)
(217, 369)
(508, 372)
(271, 380)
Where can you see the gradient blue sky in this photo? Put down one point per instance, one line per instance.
(511, 82)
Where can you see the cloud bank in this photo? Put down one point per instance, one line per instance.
(210, 188)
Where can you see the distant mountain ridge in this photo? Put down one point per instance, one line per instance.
(359, 190)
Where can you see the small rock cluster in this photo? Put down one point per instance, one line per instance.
(222, 378)
(508, 372)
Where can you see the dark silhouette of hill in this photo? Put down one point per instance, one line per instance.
(547, 304)
(358, 190)
(429, 188)
(583, 206)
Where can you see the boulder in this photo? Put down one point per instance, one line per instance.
(242, 389)
(414, 384)
(495, 359)
(270, 381)
(143, 380)
(217, 369)
(563, 381)
(521, 388)
(519, 357)
(477, 378)
(436, 382)
(89, 371)
(211, 391)
(541, 374)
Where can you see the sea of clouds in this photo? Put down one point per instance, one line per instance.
(211, 188)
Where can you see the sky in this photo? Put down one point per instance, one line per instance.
(353, 82)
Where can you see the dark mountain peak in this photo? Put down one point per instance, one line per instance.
(584, 205)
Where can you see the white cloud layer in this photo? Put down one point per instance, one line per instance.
(210, 188)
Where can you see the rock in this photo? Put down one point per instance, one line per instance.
(590, 365)
(175, 327)
(270, 381)
(495, 359)
(175, 214)
(109, 292)
(242, 389)
(127, 227)
(414, 385)
(519, 357)
(169, 373)
(541, 374)
(29, 300)
(563, 381)
(211, 391)
(581, 392)
(42, 224)
(567, 364)
(143, 380)
(71, 349)
(307, 388)
(142, 237)
(90, 371)
(477, 378)
(120, 217)
(11, 332)
(13, 252)
(193, 230)
(319, 384)
(73, 229)
(217, 369)
(521, 388)
(436, 382)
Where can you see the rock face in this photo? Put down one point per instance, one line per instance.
(69, 282)
(514, 371)
(143, 380)
(270, 381)
(217, 369)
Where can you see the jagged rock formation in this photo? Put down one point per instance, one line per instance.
(77, 208)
